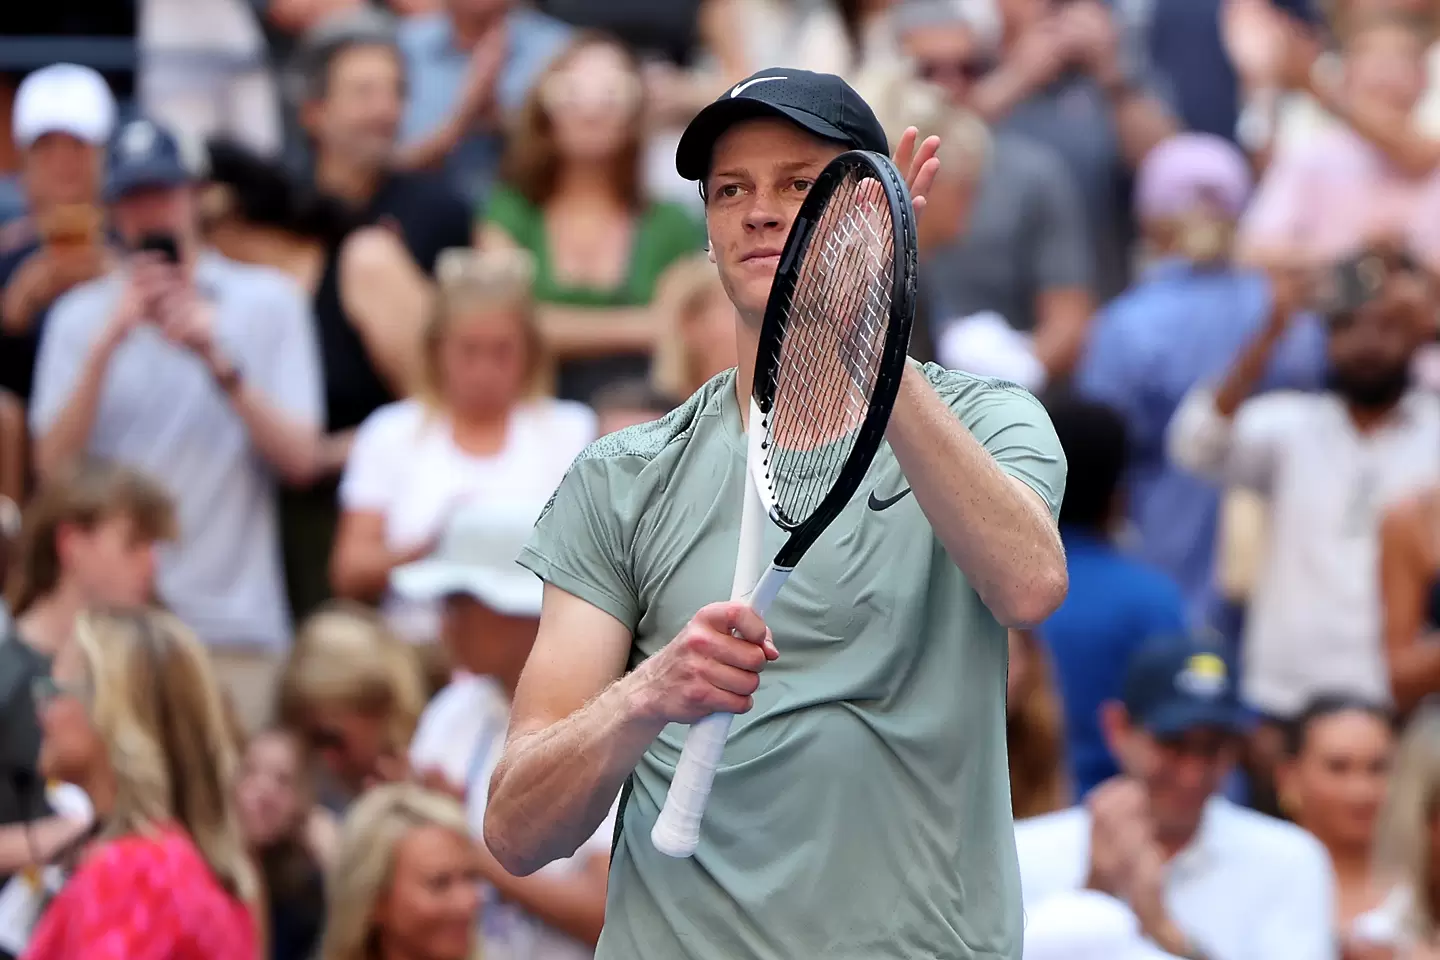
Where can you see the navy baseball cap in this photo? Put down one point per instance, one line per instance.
(1177, 684)
(144, 154)
(821, 103)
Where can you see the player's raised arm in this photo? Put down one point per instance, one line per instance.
(576, 731)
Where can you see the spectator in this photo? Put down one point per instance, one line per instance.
(1183, 323)
(355, 83)
(274, 799)
(1034, 730)
(14, 450)
(1086, 924)
(133, 716)
(1010, 235)
(1328, 463)
(370, 301)
(484, 428)
(572, 196)
(1115, 603)
(1062, 81)
(1202, 876)
(625, 403)
(63, 116)
(470, 67)
(1333, 783)
(403, 882)
(88, 540)
(1335, 193)
(698, 337)
(1410, 596)
(354, 692)
(492, 611)
(201, 372)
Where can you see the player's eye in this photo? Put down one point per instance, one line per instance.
(803, 186)
(729, 190)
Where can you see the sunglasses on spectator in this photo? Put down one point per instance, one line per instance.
(324, 738)
(623, 91)
(968, 69)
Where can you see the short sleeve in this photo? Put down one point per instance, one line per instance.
(369, 481)
(507, 209)
(1063, 257)
(288, 371)
(64, 347)
(1013, 427)
(581, 544)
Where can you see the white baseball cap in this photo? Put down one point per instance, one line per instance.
(1086, 925)
(64, 98)
(477, 557)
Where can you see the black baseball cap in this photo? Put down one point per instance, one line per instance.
(144, 154)
(821, 103)
(1177, 684)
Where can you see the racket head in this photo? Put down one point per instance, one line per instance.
(833, 343)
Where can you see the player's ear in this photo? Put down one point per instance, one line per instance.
(709, 249)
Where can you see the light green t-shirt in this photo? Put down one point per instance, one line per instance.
(862, 807)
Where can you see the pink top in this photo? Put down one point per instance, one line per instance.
(1327, 197)
(145, 898)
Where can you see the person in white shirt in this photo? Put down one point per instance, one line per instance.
(491, 611)
(1328, 463)
(1204, 878)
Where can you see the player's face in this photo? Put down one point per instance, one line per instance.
(759, 176)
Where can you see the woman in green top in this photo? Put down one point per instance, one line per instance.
(571, 195)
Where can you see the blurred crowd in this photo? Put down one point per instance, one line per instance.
(306, 306)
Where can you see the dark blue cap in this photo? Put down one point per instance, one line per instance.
(821, 103)
(1177, 684)
(143, 154)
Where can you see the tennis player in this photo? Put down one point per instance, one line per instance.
(862, 807)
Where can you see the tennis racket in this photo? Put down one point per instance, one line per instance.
(832, 350)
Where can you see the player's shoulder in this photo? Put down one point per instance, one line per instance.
(969, 394)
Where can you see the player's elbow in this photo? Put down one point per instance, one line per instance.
(1031, 600)
(502, 837)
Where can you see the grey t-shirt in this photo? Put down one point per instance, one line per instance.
(862, 808)
(1026, 235)
(161, 412)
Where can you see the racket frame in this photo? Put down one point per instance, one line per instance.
(677, 830)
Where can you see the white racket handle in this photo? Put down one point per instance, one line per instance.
(677, 830)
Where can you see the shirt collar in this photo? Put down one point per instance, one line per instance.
(1204, 847)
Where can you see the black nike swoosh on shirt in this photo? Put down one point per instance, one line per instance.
(876, 504)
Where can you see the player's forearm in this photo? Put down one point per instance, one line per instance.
(555, 785)
(999, 535)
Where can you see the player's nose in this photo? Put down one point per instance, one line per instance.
(764, 214)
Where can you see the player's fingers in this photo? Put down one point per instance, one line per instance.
(924, 174)
(905, 149)
(746, 624)
(772, 652)
(730, 679)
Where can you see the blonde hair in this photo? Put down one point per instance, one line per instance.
(469, 280)
(1402, 837)
(364, 861)
(345, 654)
(157, 708)
(86, 496)
(683, 293)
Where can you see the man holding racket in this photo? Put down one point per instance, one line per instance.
(861, 809)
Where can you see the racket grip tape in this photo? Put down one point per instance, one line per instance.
(677, 831)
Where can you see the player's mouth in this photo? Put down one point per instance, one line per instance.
(768, 257)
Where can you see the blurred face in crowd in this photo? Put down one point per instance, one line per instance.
(155, 210)
(593, 103)
(1336, 786)
(484, 641)
(709, 334)
(70, 749)
(1370, 349)
(947, 204)
(1179, 773)
(483, 359)
(477, 9)
(112, 563)
(947, 55)
(359, 115)
(349, 742)
(759, 175)
(1385, 63)
(269, 795)
(429, 907)
(61, 169)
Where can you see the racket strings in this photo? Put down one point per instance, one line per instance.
(829, 356)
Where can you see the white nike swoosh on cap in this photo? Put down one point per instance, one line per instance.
(742, 87)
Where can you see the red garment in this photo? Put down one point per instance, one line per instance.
(144, 898)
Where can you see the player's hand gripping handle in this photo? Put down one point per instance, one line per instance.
(677, 831)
